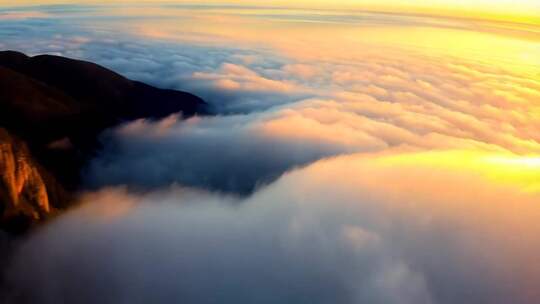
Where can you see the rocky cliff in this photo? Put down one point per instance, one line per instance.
(21, 185)
(26, 189)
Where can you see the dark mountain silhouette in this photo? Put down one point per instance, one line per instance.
(52, 110)
(70, 91)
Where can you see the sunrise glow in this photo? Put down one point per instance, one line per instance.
(289, 152)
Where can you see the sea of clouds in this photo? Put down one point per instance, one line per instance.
(346, 230)
(280, 196)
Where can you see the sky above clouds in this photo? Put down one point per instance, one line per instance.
(354, 156)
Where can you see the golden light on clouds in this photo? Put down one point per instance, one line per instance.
(499, 169)
(407, 142)
(509, 46)
(526, 11)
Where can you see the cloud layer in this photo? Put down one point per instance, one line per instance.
(226, 154)
(347, 230)
(404, 225)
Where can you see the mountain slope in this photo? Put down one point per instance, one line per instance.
(80, 91)
(52, 110)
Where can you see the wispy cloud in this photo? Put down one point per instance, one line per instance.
(22, 15)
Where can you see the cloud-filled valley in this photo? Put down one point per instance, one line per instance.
(225, 154)
(344, 161)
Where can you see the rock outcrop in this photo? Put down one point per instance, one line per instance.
(21, 185)
(26, 189)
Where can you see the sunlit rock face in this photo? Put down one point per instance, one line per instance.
(24, 186)
(24, 189)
